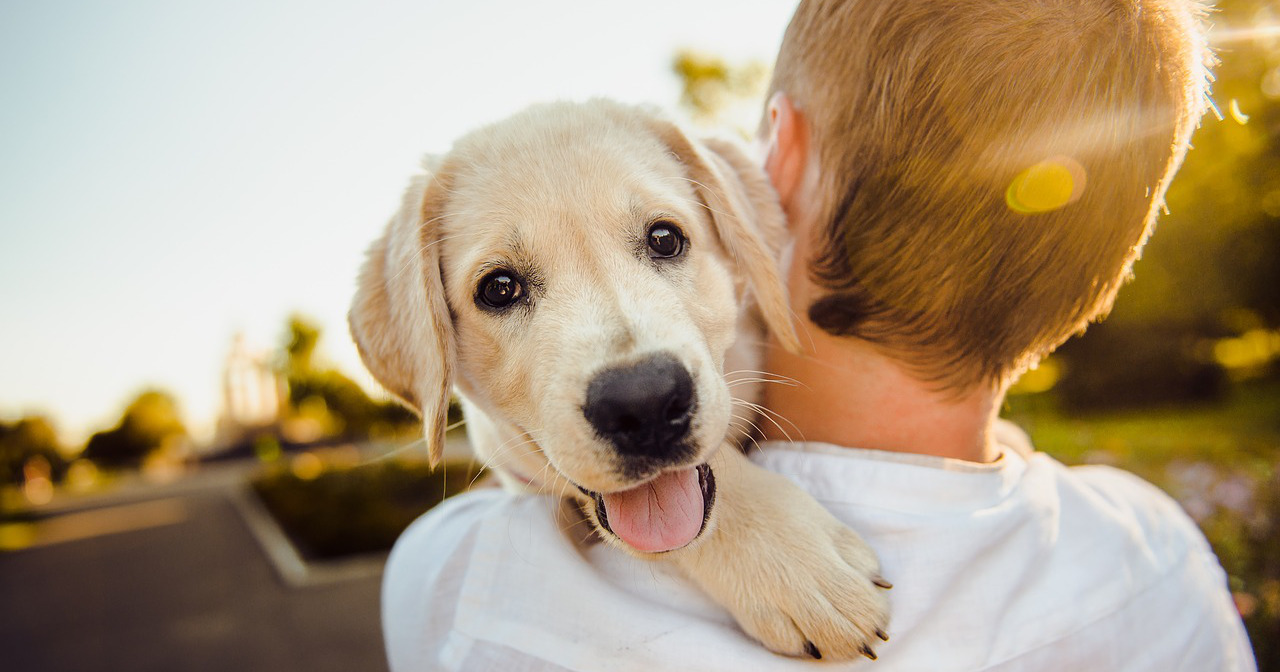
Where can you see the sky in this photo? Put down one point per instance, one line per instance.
(172, 173)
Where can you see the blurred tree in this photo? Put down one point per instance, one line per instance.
(1212, 269)
(715, 92)
(334, 403)
(29, 438)
(1213, 264)
(150, 422)
(300, 347)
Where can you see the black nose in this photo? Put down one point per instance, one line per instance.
(643, 409)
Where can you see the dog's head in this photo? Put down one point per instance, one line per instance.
(577, 271)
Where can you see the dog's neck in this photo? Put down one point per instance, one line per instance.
(850, 394)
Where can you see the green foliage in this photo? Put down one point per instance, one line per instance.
(1214, 256)
(1211, 271)
(300, 346)
(1124, 366)
(713, 89)
(29, 440)
(334, 400)
(150, 422)
(343, 511)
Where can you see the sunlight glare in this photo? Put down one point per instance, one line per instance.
(1240, 117)
(1233, 35)
(1046, 186)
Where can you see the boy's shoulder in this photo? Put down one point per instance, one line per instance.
(1131, 506)
(1101, 494)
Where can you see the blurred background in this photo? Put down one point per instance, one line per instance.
(195, 470)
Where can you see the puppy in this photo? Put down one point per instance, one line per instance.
(579, 273)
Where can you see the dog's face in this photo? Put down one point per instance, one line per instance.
(577, 271)
(592, 303)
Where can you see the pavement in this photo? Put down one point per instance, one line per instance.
(176, 578)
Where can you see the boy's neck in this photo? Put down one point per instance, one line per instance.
(850, 394)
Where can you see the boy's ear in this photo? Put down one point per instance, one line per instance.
(399, 318)
(744, 210)
(787, 153)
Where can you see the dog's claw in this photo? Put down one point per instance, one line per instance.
(882, 635)
(881, 582)
(826, 608)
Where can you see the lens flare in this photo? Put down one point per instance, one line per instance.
(1219, 37)
(1237, 114)
(1046, 186)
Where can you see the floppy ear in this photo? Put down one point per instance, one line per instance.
(399, 319)
(748, 220)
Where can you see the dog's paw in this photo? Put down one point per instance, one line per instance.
(793, 576)
(828, 600)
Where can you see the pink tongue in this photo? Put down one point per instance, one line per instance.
(661, 515)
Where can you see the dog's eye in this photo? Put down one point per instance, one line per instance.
(500, 289)
(665, 240)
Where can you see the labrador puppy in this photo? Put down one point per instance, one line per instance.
(579, 274)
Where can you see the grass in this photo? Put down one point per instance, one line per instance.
(1242, 433)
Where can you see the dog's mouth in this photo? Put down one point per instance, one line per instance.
(662, 514)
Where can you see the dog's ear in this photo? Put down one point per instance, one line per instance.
(747, 217)
(399, 318)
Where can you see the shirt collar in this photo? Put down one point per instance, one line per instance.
(905, 482)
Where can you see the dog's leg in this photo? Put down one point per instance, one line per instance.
(792, 575)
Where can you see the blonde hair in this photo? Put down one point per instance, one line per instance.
(989, 169)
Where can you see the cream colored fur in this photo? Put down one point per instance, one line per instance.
(564, 193)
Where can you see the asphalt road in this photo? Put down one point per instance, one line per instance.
(170, 584)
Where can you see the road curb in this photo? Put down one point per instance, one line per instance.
(292, 569)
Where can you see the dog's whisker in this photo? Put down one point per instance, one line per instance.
(564, 487)
(748, 381)
(738, 428)
(699, 204)
(424, 248)
(762, 379)
(754, 427)
(394, 452)
(705, 188)
(761, 412)
(507, 453)
(491, 463)
(770, 414)
(768, 375)
(745, 423)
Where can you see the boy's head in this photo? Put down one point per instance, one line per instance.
(986, 171)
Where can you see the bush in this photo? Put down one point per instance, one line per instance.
(150, 422)
(1116, 367)
(342, 511)
(29, 440)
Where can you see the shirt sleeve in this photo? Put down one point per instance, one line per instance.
(424, 576)
(1198, 625)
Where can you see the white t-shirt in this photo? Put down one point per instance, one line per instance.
(1023, 564)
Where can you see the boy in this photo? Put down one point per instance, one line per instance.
(967, 183)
